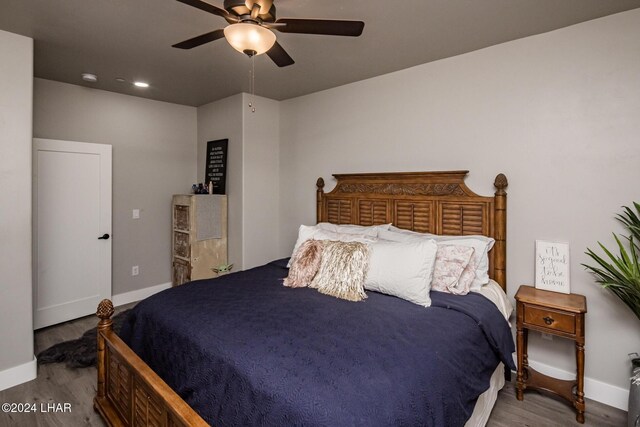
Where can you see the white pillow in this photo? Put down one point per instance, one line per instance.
(306, 232)
(396, 234)
(371, 230)
(402, 269)
(406, 232)
(481, 244)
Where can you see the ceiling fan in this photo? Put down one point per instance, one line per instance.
(251, 24)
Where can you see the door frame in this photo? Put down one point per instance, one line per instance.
(105, 221)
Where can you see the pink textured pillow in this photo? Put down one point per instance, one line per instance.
(305, 264)
(468, 276)
(451, 262)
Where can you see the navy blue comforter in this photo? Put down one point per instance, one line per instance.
(244, 350)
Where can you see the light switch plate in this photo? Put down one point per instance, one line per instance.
(136, 214)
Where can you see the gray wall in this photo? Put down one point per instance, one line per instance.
(223, 120)
(154, 155)
(252, 173)
(558, 113)
(16, 85)
(261, 162)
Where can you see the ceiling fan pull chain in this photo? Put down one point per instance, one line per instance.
(252, 84)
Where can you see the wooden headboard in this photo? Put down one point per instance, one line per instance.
(427, 202)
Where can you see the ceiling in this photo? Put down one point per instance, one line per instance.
(132, 39)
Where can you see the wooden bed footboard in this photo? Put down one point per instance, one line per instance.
(129, 392)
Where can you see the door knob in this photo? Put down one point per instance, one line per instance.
(105, 236)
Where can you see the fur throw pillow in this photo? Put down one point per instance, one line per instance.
(305, 264)
(343, 269)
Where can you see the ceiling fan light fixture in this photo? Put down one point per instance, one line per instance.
(246, 37)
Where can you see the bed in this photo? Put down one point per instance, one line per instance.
(321, 361)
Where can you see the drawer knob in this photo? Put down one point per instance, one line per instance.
(548, 320)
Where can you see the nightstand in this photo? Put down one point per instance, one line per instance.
(556, 314)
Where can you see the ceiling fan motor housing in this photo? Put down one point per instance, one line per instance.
(241, 8)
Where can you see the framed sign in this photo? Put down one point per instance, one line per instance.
(216, 167)
(552, 266)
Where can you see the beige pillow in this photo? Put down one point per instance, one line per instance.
(343, 269)
(451, 262)
(367, 230)
(306, 232)
(468, 276)
(305, 264)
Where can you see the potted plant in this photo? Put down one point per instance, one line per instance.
(620, 273)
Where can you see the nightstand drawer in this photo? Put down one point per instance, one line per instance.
(550, 319)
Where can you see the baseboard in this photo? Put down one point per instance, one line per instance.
(599, 391)
(18, 374)
(138, 295)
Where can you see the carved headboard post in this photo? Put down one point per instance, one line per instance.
(500, 248)
(319, 195)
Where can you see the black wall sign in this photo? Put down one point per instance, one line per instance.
(216, 170)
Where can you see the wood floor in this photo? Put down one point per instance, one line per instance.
(57, 384)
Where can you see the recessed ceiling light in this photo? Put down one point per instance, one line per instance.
(91, 78)
(141, 84)
(120, 80)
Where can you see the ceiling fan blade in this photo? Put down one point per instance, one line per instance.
(199, 4)
(321, 26)
(255, 11)
(265, 6)
(280, 56)
(273, 25)
(200, 40)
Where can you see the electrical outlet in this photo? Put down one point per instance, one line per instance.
(135, 270)
(136, 214)
(547, 337)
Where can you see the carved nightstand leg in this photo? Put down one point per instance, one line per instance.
(580, 382)
(521, 362)
(525, 351)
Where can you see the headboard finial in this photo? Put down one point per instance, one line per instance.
(501, 183)
(320, 184)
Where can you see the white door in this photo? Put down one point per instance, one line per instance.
(72, 228)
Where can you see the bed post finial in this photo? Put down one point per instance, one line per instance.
(500, 247)
(319, 196)
(104, 312)
(501, 183)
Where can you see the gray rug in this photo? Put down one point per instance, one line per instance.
(81, 352)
